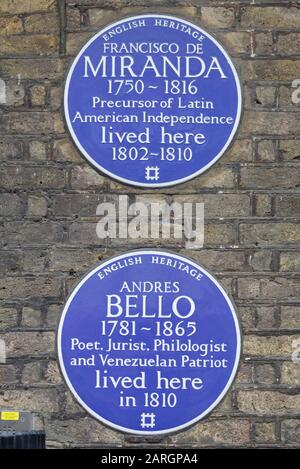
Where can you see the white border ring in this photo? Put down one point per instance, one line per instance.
(163, 184)
(99, 417)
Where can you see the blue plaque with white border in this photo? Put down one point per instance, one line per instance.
(152, 100)
(149, 342)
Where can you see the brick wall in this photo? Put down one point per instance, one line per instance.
(49, 194)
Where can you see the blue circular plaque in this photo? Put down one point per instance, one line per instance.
(149, 342)
(152, 100)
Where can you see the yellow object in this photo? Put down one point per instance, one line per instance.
(10, 415)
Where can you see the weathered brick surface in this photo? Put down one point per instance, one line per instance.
(267, 402)
(290, 317)
(10, 25)
(8, 318)
(7, 374)
(217, 17)
(290, 432)
(272, 70)
(85, 430)
(216, 432)
(26, 6)
(49, 195)
(270, 17)
(261, 346)
(290, 373)
(43, 401)
(41, 23)
(265, 432)
(42, 44)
